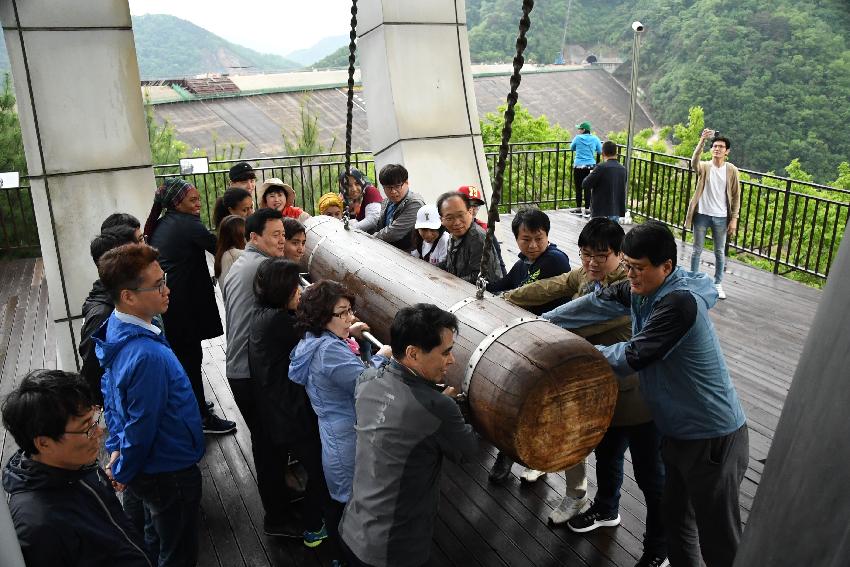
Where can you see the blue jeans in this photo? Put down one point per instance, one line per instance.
(718, 234)
(644, 441)
(172, 503)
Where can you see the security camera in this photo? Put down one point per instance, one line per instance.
(637, 26)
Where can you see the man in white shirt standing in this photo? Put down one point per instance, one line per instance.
(715, 204)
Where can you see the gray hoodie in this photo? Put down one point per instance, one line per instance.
(238, 292)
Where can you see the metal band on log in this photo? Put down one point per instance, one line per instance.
(541, 394)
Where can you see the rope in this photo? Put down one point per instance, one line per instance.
(516, 78)
(349, 114)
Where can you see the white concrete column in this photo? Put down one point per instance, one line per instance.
(414, 57)
(77, 86)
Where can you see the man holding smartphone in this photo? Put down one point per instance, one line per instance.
(715, 204)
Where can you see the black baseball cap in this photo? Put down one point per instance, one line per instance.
(242, 171)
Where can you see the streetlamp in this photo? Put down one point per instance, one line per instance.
(638, 29)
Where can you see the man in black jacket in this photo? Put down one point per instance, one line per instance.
(62, 503)
(607, 182)
(467, 243)
(98, 305)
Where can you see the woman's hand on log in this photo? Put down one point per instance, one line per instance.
(356, 330)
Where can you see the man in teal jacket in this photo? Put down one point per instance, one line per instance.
(685, 382)
(155, 437)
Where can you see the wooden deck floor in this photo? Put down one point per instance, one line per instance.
(762, 328)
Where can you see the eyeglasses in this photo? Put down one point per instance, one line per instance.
(348, 312)
(631, 267)
(97, 420)
(598, 258)
(451, 219)
(393, 188)
(160, 287)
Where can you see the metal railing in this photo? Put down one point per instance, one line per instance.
(792, 225)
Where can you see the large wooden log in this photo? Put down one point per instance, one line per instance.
(542, 394)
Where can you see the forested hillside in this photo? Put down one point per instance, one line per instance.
(773, 76)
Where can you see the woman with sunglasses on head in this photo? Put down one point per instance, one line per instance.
(325, 365)
(192, 316)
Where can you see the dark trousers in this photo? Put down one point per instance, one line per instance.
(579, 173)
(172, 504)
(701, 509)
(190, 354)
(644, 442)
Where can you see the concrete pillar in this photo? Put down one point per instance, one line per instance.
(77, 86)
(801, 513)
(414, 58)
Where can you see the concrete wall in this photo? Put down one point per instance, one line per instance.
(77, 86)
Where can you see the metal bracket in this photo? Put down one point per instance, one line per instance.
(315, 248)
(485, 344)
(461, 304)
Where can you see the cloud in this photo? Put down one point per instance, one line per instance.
(269, 26)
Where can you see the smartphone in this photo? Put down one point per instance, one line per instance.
(717, 133)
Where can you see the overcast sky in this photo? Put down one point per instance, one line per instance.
(270, 26)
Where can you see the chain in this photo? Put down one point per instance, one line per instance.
(516, 78)
(349, 115)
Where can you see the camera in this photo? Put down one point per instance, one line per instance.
(637, 26)
(717, 133)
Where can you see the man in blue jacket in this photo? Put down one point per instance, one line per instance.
(155, 436)
(685, 382)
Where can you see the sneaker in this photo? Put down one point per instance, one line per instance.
(284, 529)
(720, 293)
(315, 539)
(649, 560)
(567, 509)
(591, 519)
(501, 469)
(530, 475)
(217, 426)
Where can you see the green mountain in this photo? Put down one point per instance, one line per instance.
(335, 60)
(772, 76)
(168, 47)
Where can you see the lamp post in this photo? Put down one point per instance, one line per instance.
(638, 29)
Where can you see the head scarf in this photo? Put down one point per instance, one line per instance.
(329, 200)
(171, 192)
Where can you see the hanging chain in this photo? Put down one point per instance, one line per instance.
(516, 78)
(349, 115)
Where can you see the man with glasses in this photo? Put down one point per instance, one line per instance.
(62, 503)
(398, 211)
(467, 243)
(600, 247)
(716, 203)
(685, 382)
(155, 434)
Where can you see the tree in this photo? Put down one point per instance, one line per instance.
(11, 143)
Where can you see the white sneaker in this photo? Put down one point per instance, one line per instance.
(530, 475)
(568, 508)
(720, 293)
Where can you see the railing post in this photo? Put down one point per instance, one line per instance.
(782, 226)
(651, 184)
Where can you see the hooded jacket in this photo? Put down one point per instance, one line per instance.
(674, 348)
(149, 407)
(403, 218)
(464, 257)
(69, 517)
(328, 369)
(97, 308)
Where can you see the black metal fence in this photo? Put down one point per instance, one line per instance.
(790, 225)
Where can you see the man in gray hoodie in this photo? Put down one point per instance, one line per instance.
(405, 426)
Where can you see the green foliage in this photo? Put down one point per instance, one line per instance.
(165, 147)
(336, 60)
(305, 142)
(525, 127)
(11, 143)
(16, 217)
(168, 47)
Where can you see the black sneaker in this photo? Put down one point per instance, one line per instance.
(650, 560)
(592, 519)
(217, 426)
(501, 468)
(283, 529)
